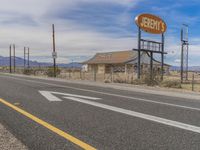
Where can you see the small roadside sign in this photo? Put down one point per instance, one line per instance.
(54, 55)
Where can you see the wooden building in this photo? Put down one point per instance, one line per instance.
(121, 61)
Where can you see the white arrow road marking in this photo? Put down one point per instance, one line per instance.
(49, 95)
(139, 115)
(196, 98)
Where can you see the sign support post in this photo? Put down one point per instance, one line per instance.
(184, 52)
(139, 54)
(153, 25)
(151, 65)
(162, 57)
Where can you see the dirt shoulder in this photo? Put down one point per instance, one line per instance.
(8, 141)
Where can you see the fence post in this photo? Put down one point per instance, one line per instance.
(112, 74)
(95, 73)
(83, 75)
(69, 74)
(80, 74)
(125, 73)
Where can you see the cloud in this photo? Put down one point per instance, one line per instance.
(76, 40)
(85, 27)
(28, 23)
(177, 61)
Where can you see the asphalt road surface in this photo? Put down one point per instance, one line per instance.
(53, 115)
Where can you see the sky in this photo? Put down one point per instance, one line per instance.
(86, 27)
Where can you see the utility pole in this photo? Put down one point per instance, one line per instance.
(54, 51)
(10, 59)
(28, 57)
(24, 58)
(14, 63)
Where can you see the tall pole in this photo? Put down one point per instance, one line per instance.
(139, 47)
(182, 49)
(10, 59)
(184, 52)
(24, 58)
(151, 66)
(162, 57)
(182, 55)
(14, 63)
(28, 57)
(187, 62)
(54, 51)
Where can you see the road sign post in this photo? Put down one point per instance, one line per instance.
(54, 55)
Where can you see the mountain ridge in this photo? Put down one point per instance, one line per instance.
(5, 61)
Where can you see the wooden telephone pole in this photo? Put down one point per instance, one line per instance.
(54, 55)
(10, 59)
(14, 63)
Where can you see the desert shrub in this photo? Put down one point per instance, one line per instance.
(50, 71)
(151, 80)
(28, 71)
(171, 84)
(137, 81)
(106, 81)
(119, 80)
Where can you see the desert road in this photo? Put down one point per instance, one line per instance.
(55, 115)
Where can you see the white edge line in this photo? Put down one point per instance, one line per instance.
(140, 115)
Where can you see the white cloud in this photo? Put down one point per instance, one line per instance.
(75, 41)
(177, 61)
(28, 23)
(37, 8)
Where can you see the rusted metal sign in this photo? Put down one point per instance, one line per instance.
(151, 23)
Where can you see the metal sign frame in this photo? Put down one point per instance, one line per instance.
(153, 25)
(150, 47)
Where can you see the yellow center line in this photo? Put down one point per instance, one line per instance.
(49, 126)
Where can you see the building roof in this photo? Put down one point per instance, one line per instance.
(112, 57)
(120, 57)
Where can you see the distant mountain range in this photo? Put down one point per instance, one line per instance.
(190, 68)
(5, 61)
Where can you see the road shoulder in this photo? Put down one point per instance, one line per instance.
(179, 93)
(8, 141)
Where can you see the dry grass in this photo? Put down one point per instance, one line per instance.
(172, 80)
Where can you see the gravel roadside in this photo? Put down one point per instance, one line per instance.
(8, 141)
